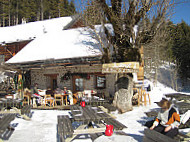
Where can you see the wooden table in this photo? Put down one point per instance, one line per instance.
(88, 114)
(182, 101)
(94, 101)
(5, 128)
(9, 103)
(183, 107)
(85, 117)
(14, 106)
(178, 96)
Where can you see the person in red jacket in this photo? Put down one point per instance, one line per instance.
(167, 121)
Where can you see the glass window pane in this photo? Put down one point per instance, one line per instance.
(2, 58)
(101, 81)
(79, 84)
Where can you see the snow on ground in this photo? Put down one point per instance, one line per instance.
(42, 126)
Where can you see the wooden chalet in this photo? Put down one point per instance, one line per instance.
(67, 57)
(14, 38)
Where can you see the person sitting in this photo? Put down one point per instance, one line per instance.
(167, 121)
(50, 92)
(35, 94)
(58, 91)
(49, 99)
(70, 97)
(65, 91)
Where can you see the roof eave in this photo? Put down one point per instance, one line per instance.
(58, 62)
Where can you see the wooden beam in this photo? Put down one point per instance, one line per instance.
(157, 137)
(89, 131)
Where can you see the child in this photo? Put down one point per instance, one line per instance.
(167, 121)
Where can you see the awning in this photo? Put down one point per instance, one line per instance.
(123, 67)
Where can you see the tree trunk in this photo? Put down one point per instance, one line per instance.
(42, 10)
(38, 15)
(9, 13)
(124, 93)
(3, 16)
(17, 14)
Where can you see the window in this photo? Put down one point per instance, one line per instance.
(2, 58)
(79, 84)
(100, 82)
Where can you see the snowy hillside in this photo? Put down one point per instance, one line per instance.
(167, 75)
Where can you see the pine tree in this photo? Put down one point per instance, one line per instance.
(13, 12)
(4, 5)
(181, 48)
(72, 8)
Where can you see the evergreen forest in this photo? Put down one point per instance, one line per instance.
(178, 48)
(13, 12)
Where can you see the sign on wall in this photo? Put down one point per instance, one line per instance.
(123, 67)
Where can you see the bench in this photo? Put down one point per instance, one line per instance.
(64, 127)
(95, 135)
(154, 136)
(183, 137)
(116, 124)
(26, 110)
(94, 101)
(14, 106)
(10, 103)
(109, 107)
(183, 107)
(178, 96)
(152, 113)
(186, 125)
(5, 121)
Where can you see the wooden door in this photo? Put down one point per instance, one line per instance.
(78, 84)
(53, 80)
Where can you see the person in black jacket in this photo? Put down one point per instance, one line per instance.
(49, 92)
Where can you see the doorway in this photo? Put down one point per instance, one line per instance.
(78, 83)
(52, 80)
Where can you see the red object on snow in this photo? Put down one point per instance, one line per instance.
(82, 103)
(37, 94)
(109, 130)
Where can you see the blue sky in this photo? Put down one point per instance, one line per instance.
(182, 11)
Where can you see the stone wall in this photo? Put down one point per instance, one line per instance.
(39, 76)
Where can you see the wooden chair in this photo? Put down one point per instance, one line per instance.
(49, 99)
(143, 97)
(34, 102)
(136, 97)
(80, 94)
(26, 100)
(75, 98)
(65, 99)
(58, 98)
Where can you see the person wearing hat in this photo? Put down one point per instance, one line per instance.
(167, 120)
(66, 92)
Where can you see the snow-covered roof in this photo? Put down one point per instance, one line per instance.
(62, 44)
(32, 30)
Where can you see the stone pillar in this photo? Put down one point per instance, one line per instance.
(123, 95)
